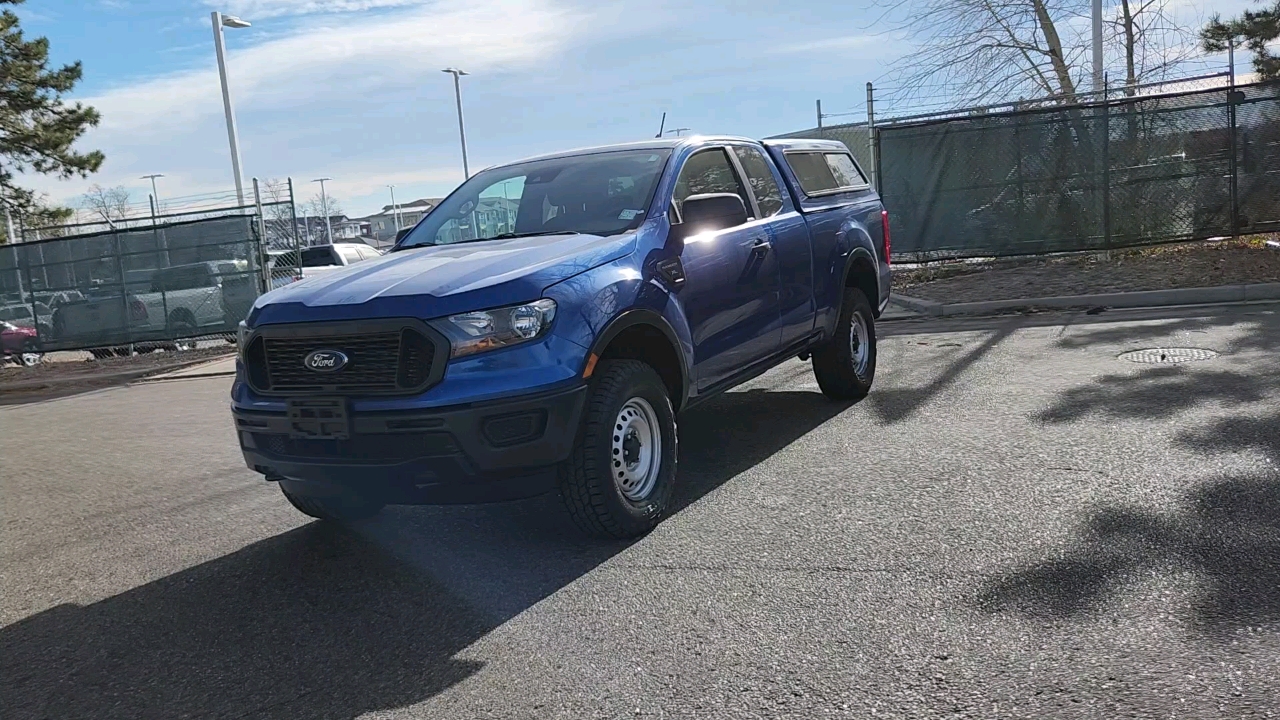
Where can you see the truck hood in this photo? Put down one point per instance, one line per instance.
(444, 279)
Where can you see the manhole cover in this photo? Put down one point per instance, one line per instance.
(1168, 355)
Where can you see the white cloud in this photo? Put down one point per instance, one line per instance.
(333, 86)
(260, 9)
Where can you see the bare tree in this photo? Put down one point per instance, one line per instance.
(111, 205)
(973, 52)
(323, 206)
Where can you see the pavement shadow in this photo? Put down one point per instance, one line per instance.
(896, 404)
(1225, 535)
(337, 621)
(1227, 538)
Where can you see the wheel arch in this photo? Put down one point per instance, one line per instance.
(645, 335)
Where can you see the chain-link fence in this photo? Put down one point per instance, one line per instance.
(1131, 171)
(170, 283)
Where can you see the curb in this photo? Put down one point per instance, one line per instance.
(110, 378)
(1146, 298)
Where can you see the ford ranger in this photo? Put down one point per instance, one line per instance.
(542, 328)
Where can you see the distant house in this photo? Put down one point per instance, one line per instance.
(312, 230)
(384, 224)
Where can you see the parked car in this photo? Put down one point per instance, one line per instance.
(639, 280)
(177, 302)
(317, 260)
(20, 344)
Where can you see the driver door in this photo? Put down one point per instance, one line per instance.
(732, 280)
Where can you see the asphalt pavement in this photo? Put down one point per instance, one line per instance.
(1016, 523)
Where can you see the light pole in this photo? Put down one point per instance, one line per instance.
(324, 203)
(220, 21)
(395, 211)
(462, 131)
(1098, 84)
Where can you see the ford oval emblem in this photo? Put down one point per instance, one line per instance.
(325, 360)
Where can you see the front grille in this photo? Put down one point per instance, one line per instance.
(399, 359)
(376, 448)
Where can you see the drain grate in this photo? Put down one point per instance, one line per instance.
(1168, 355)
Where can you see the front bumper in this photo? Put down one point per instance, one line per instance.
(477, 452)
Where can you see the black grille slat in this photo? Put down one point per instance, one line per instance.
(399, 359)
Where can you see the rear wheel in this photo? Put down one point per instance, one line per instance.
(30, 356)
(846, 366)
(619, 478)
(333, 508)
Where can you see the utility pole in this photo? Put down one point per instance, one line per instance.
(395, 211)
(324, 202)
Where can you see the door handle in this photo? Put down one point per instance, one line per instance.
(762, 247)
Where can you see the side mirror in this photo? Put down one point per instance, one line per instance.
(402, 233)
(711, 211)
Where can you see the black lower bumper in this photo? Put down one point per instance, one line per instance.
(470, 453)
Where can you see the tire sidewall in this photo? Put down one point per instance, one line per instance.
(645, 513)
(857, 304)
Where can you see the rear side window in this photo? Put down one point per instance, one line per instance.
(820, 172)
(768, 195)
(317, 257)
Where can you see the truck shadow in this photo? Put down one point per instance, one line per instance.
(331, 621)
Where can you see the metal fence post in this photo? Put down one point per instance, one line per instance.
(871, 137)
(264, 269)
(297, 239)
(1106, 169)
(1232, 166)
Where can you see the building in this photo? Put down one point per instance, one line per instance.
(312, 230)
(384, 223)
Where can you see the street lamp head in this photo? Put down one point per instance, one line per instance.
(232, 21)
(151, 177)
(455, 71)
(323, 179)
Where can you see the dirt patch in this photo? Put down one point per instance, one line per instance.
(58, 379)
(1188, 265)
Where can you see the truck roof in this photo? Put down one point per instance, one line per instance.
(654, 144)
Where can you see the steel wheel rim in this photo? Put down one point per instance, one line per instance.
(636, 451)
(30, 359)
(859, 344)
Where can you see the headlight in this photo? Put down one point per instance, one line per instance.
(482, 330)
(242, 333)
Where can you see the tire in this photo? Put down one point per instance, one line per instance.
(333, 509)
(183, 328)
(30, 356)
(606, 496)
(846, 366)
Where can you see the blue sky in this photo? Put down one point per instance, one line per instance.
(352, 89)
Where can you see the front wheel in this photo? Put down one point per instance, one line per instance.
(333, 508)
(30, 357)
(619, 478)
(846, 366)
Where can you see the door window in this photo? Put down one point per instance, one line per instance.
(708, 171)
(763, 184)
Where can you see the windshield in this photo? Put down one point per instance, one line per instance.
(601, 194)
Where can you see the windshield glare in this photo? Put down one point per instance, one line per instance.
(600, 194)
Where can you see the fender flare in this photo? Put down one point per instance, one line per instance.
(860, 252)
(641, 316)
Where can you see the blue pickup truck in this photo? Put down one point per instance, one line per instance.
(542, 328)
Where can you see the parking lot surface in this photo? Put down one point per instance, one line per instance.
(1016, 523)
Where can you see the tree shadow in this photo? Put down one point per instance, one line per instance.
(894, 405)
(1227, 537)
(1153, 393)
(333, 621)
(1225, 534)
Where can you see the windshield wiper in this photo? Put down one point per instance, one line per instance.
(509, 236)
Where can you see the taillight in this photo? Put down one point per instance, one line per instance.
(137, 310)
(884, 232)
